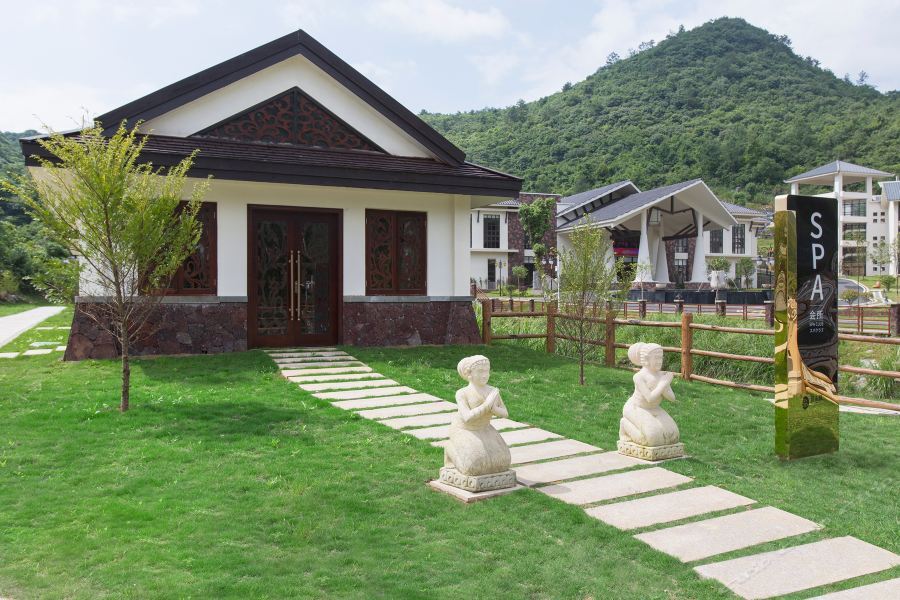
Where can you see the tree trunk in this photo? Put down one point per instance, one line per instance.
(581, 364)
(126, 378)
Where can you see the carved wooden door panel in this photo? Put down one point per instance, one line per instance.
(293, 287)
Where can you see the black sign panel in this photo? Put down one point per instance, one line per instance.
(817, 289)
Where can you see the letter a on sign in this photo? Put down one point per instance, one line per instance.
(806, 333)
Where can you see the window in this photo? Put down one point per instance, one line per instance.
(715, 241)
(491, 231)
(854, 262)
(855, 208)
(681, 272)
(681, 245)
(396, 246)
(855, 232)
(197, 275)
(737, 239)
(492, 272)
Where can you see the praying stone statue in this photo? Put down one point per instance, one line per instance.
(646, 430)
(476, 458)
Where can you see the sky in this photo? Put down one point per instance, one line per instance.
(63, 59)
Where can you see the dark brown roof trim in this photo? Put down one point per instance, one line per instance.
(386, 172)
(298, 42)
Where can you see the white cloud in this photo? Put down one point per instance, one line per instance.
(495, 68)
(80, 12)
(304, 14)
(439, 19)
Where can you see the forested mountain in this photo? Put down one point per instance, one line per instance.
(727, 102)
(12, 164)
(24, 245)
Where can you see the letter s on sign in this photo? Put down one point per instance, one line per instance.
(812, 220)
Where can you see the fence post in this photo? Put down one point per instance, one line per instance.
(642, 309)
(610, 337)
(551, 328)
(721, 308)
(894, 319)
(770, 312)
(486, 308)
(687, 341)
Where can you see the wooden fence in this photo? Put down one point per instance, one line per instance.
(497, 309)
(851, 319)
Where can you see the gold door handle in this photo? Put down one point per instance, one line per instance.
(291, 288)
(298, 286)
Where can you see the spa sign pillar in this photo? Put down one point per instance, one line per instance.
(806, 326)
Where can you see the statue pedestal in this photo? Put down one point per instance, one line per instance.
(651, 452)
(478, 483)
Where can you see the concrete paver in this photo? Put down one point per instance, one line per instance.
(799, 568)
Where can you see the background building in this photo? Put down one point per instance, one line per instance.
(864, 218)
(498, 243)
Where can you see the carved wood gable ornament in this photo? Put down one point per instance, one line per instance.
(291, 117)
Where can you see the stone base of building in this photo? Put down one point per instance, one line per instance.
(651, 452)
(370, 322)
(478, 483)
(210, 326)
(175, 328)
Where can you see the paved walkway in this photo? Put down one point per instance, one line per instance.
(13, 326)
(694, 524)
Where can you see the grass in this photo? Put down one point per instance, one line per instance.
(226, 481)
(60, 336)
(11, 309)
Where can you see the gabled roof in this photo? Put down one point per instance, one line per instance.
(298, 42)
(625, 208)
(737, 209)
(281, 163)
(833, 168)
(891, 190)
(576, 206)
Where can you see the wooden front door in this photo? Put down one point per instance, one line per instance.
(294, 270)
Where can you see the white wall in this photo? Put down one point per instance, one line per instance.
(448, 251)
(295, 71)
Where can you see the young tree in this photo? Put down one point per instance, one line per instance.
(520, 272)
(744, 268)
(124, 220)
(536, 218)
(586, 290)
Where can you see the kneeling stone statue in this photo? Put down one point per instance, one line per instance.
(476, 458)
(646, 430)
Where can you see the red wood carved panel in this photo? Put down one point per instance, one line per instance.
(411, 252)
(291, 118)
(197, 275)
(396, 252)
(379, 252)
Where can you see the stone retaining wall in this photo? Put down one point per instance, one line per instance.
(183, 328)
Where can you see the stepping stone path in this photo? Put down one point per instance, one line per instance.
(665, 508)
(604, 483)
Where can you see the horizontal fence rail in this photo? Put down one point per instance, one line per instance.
(494, 308)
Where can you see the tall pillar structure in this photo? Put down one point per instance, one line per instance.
(806, 326)
(644, 265)
(698, 270)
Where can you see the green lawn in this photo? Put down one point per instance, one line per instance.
(226, 481)
(60, 336)
(11, 309)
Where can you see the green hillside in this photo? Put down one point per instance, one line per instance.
(727, 102)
